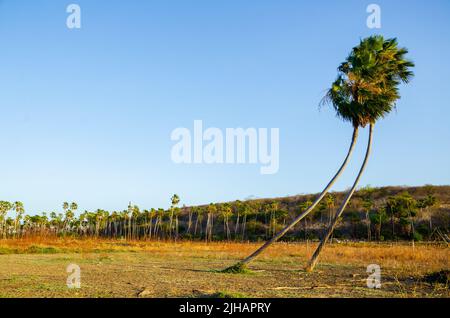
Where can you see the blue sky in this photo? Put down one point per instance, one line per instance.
(87, 114)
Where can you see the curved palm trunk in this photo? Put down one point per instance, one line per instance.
(305, 213)
(312, 263)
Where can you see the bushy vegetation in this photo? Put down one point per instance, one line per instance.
(374, 214)
(440, 277)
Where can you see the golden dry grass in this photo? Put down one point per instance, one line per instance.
(36, 268)
(425, 256)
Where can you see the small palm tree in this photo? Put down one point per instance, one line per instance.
(159, 222)
(200, 211)
(211, 212)
(226, 212)
(19, 209)
(246, 209)
(237, 207)
(5, 206)
(368, 204)
(151, 216)
(175, 199)
(176, 213)
(303, 206)
(330, 205)
(74, 207)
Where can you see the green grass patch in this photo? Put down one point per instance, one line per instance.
(36, 249)
(8, 250)
(238, 268)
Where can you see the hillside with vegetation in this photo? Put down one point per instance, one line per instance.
(374, 214)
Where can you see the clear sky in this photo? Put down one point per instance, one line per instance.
(86, 114)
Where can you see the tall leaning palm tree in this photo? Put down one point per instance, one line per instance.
(365, 90)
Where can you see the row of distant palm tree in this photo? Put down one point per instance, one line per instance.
(389, 216)
(134, 223)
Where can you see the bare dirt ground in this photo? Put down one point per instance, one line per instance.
(190, 269)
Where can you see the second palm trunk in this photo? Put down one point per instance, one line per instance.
(312, 263)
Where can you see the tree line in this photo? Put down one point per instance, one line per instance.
(399, 216)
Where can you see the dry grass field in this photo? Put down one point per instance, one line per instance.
(37, 268)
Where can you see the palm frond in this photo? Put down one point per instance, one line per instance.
(366, 88)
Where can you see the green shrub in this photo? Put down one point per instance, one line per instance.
(441, 277)
(35, 249)
(417, 237)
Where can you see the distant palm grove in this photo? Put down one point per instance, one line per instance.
(374, 214)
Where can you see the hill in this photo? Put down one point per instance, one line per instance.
(385, 213)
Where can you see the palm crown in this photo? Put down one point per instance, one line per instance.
(366, 88)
